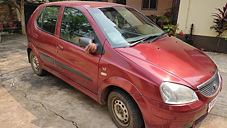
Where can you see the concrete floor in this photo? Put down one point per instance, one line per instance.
(30, 101)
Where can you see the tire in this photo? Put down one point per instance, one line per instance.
(123, 110)
(36, 64)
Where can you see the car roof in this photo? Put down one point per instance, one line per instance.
(86, 4)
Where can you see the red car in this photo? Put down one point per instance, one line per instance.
(146, 78)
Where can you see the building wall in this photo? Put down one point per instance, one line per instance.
(199, 12)
(161, 7)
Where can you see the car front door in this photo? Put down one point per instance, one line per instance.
(72, 61)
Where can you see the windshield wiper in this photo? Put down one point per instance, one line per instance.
(137, 42)
(157, 37)
(147, 38)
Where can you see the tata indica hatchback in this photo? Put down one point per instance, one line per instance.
(118, 57)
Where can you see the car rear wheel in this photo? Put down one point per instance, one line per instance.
(36, 64)
(123, 110)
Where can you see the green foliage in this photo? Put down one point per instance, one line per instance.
(166, 18)
(74, 24)
(220, 21)
(170, 29)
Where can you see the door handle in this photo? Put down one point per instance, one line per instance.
(60, 47)
(35, 35)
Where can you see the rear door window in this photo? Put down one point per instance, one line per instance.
(47, 19)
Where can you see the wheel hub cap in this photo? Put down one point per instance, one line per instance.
(121, 111)
(35, 63)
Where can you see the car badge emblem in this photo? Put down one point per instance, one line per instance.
(215, 86)
(104, 68)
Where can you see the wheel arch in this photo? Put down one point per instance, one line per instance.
(29, 49)
(106, 91)
(28, 53)
(116, 82)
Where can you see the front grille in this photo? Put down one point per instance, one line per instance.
(210, 87)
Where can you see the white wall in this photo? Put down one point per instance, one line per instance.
(199, 13)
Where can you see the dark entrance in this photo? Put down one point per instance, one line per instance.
(29, 8)
(176, 5)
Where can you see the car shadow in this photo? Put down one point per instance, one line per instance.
(51, 101)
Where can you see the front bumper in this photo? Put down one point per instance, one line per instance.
(163, 115)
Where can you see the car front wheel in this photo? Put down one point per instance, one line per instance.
(124, 111)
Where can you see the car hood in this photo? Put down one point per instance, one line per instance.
(175, 57)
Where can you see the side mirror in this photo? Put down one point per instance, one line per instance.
(90, 46)
(83, 41)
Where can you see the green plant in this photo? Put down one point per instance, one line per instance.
(220, 22)
(165, 18)
(170, 29)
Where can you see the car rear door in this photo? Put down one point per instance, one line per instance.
(44, 36)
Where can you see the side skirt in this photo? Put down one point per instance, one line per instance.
(72, 83)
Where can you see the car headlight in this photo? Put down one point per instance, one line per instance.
(173, 93)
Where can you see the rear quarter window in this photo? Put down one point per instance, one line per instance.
(47, 18)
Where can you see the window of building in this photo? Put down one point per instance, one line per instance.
(47, 19)
(120, 2)
(75, 25)
(149, 4)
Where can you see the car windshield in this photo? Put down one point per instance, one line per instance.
(124, 26)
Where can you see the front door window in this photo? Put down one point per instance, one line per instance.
(75, 25)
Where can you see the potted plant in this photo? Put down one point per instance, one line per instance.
(171, 29)
(166, 18)
(220, 23)
(1, 25)
(10, 24)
